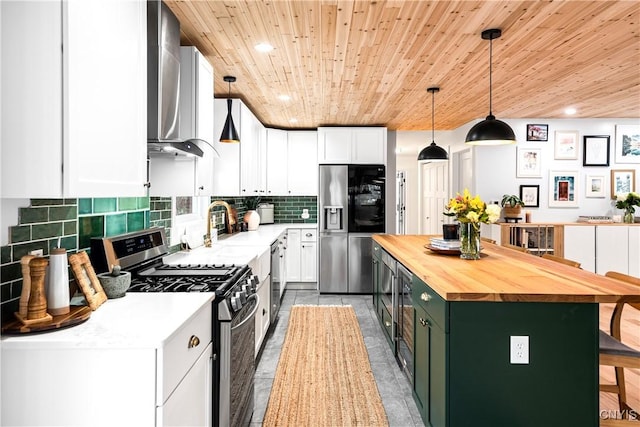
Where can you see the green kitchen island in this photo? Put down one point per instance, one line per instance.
(465, 314)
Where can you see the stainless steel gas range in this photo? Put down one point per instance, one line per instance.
(234, 310)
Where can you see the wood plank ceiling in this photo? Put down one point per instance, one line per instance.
(370, 62)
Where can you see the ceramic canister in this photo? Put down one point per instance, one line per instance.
(58, 287)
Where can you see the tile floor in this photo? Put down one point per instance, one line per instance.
(392, 385)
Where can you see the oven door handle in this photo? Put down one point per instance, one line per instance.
(257, 298)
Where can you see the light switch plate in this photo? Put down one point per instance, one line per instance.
(519, 350)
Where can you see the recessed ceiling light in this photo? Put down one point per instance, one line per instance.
(263, 47)
(570, 111)
(284, 97)
(293, 120)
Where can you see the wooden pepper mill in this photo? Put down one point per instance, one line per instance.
(26, 285)
(37, 307)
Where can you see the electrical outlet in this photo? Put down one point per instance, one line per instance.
(519, 350)
(37, 252)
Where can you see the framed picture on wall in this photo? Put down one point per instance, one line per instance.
(595, 186)
(627, 144)
(563, 189)
(530, 195)
(537, 132)
(596, 150)
(528, 162)
(566, 145)
(622, 181)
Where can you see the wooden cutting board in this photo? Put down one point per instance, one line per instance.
(76, 315)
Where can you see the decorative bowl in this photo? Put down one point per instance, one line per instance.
(115, 286)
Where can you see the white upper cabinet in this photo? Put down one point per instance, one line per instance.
(302, 167)
(292, 163)
(253, 178)
(277, 162)
(357, 145)
(240, 170)
(74, 105)
(196, 113)
(181, 175)
(226, 168)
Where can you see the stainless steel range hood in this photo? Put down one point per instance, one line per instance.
(163, 84)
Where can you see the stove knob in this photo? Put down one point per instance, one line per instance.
(236, 304)
(247, 289)
(254, 280)
(241, 296)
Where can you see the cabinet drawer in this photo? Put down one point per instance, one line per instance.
(430, 301)
(309, 235)
(181, 351)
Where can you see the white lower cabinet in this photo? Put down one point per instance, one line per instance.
(143, 360)
(602, 248)
(612, 249)
(302, 255)
(580, 245)
(293, 255)
(263, 315)
(184, 407)
(308, 258)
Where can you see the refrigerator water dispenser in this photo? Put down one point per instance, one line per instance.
(333, 218)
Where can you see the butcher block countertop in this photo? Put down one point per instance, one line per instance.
(502, 274)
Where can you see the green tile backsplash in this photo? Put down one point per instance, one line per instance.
(71, 223)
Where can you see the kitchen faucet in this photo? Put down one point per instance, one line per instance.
(229, 220)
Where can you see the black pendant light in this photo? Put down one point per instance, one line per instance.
(229, 133)
(490, 131)
(433, 153)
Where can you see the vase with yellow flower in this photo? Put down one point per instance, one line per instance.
(470, 212)
(628, 201)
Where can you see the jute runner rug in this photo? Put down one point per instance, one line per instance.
(323, 376)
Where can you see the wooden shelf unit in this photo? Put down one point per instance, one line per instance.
(537, 238)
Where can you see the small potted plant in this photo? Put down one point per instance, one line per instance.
(511, 206)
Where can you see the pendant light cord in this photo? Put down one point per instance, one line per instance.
(433, 114)
(490, 76)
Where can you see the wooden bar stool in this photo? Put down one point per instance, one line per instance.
(613, 352)
(516, 248)
(561, 260)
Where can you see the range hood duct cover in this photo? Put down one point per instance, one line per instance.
(163, 83)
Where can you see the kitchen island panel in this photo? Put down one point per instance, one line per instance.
(559, 385)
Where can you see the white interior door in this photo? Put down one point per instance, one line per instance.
(462, 172)
(434, 186)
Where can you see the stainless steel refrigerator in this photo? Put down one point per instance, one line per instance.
(351, 201)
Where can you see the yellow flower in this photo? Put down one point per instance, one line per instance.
(469, 209)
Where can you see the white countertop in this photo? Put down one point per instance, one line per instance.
(137, 320)
(238, 248)
(264, 235)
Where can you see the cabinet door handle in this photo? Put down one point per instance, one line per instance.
(387, 323)
(424, 322)
(425, 297)
(308, 234)
(194, 341)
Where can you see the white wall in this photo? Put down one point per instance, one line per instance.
(495, 167)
